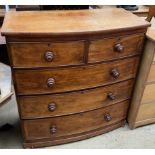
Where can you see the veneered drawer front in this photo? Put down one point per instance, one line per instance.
(70, 103)
(47, 54)
(114, 48)
(151, 76)
(74, 78)
(74, 124)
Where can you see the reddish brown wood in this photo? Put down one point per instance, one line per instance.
(74, 124)
(70, 103)
(73, 71)
(75, 78)
(56, 23)
(47, 54)
(114, 48)
(77, 137)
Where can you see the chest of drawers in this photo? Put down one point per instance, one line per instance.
(73, 71)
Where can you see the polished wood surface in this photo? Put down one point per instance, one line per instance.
(74, 124)
(74, 71)
(47, 54)
(109, 48)
(70, 103)
(74, 78)
(70, 22)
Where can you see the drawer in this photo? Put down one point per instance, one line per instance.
(47, 54)
(75, 102)
(74, 124)
(151, 76)
(146, 112)
(74, 78)
(149, 93)
(114, 48)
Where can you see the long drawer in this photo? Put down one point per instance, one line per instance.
(69, 103)
(46, 54)
(74, 124)
(74, 78)
(114, 48)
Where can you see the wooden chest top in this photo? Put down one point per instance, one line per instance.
(70, 22)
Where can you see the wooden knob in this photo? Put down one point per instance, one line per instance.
(115, 73)
(111, 96)
(107, 117)
(51, 106)
(49, 56)
(119, 48)
(53, 129)
(50, 82)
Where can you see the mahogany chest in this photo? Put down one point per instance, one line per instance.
(73, 71)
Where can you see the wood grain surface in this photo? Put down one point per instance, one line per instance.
(68, 22)
(74, 124)
(35, 54)
(104, 49)
(69, 103)
(74, 78)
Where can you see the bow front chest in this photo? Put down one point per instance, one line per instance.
(73, 71)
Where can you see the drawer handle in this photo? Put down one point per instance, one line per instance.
(107, 117)
(49, 56)
(111, 96)
(115, 73)
(50, 82)
(119, 48)
(51, 106)
(53, 129)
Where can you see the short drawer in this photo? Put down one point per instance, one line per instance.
(74, 124)
(70, 103)
(74, 78)
(42, 54)
(114, 48)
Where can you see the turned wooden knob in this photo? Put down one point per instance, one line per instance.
(119, 48)
(51, 106)
(111, 96)
(49, 56)
(50, 82)
(115, 73)
(107, 117)
(53, 129)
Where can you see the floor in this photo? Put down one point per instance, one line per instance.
(143, 137)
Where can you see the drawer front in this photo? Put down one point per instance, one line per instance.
(74, 124)
(113, 48)
(151, 76)
(74, 78)
(149, 93)
(47, 54)
(146, 112)
(69, 103)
